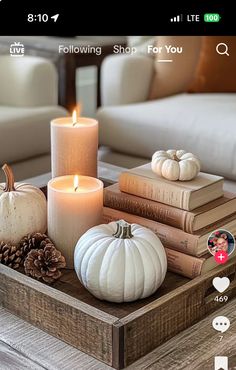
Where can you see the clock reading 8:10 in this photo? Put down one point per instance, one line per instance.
(41, 17)
(37, 18)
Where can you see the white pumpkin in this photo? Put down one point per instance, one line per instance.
(175, 165)
(23, 209)
(120, 262)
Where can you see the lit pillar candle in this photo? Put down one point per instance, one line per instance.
(75, 205)
(74, 146)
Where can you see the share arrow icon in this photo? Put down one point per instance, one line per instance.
(55, 17)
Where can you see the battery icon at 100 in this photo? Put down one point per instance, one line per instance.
(212, 17)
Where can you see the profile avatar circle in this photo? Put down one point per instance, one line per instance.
(221, 243)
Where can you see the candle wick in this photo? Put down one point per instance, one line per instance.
(76, 188)
(75, 123)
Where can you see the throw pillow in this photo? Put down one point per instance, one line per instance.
(215, 72)
(175, 76)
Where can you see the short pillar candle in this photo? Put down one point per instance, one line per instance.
(75, 204)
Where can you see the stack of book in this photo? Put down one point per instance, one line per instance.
(182, 214)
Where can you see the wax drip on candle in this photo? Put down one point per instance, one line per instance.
(76, 182)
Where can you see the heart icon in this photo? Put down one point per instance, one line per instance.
(221, 284)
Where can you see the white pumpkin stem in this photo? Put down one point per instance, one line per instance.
(176, 158)
(123, 230)
(10, 181)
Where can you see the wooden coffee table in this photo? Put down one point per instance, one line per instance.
(23, 346)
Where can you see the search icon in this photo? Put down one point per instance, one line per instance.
(222, 49)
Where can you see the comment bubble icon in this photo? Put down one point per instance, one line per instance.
(221, 323)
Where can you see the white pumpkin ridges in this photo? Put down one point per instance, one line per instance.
(112, 271)
(196, 161)
(179, 153)
(189, 167)
(91, 266)
(118, 269)
(81, 252)
(94, 233)
(170, 169)
(157, 165)
(22, 212)
(151, 264)
(84, 256)
(84, 276)
(187, 156)
(159, 258)
(23, 209)
(159, 155)
(136, 286)
(171, 152)
(175, 165)
(154, 242)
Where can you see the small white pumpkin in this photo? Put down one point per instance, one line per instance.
(120, 262)
(23, 209)
(175, 165)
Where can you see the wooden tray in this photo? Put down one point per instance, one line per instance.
(117, 334)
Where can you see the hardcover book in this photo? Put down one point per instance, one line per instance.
(143, 182)
(190, 266)
(171, 237)
(189, 221)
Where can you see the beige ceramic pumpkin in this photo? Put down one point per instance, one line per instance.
(23, 209)
(175, 165)
(120, 262)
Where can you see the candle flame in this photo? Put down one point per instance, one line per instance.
(76, 182)
(76, 113)
(74, 117)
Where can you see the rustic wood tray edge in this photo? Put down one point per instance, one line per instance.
(118, 342)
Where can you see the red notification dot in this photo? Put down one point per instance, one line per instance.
(221, 257)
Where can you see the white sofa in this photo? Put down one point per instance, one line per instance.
(132, 128)
(28, 102)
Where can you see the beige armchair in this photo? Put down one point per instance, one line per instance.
(28, 101)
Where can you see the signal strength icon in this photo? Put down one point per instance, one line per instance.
(178, 18)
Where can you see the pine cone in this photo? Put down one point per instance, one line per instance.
(10, 255)
(44, 263)
(34, 241)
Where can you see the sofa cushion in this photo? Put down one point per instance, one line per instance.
(25, 132)
(201, 123)
(27, 82)
(215, 72)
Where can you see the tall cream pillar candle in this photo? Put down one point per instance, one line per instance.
(75, 204)
(74, 146)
